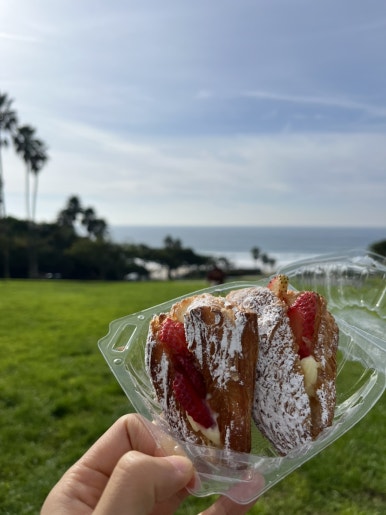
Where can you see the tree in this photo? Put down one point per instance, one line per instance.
(67, 217)
(34, 154)
(38, 161)
(268, 260)
(379, 247)
(8, 123)
(255, 254)
(172, 244)
(74, 212)
(173, 255)
(96, 227)
(96, 260)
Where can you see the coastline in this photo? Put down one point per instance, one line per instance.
(283, 244)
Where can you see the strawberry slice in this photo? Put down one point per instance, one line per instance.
(279, 285)
(192, 403)
(172, 334)
(188, 385)
(185, 364)
(302, 315)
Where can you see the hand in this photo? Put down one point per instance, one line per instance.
(124, 472)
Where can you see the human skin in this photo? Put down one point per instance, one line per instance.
(126, 471)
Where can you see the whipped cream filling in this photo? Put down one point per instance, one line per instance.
(211, 433)
(310, 370)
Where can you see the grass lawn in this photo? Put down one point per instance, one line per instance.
(57, 396)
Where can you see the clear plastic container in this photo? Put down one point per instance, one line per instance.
(354, 285)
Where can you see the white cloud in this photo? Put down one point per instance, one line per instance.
(187, 113)
(17, 37)
(284, 178)
(341, 103)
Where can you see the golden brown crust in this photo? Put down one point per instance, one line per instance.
(281, 407)
(325, 348)
(223, 340)
(222, 334)
(284, 411)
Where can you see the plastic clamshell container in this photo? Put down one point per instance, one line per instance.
(354, 284)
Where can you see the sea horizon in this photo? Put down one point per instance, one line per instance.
(285, 244)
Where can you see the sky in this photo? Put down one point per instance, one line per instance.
(247, 112)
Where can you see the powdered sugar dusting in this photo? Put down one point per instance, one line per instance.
(325, 353)
(216, 347)
(281, 406)
(223, 341)
(215, 332)
(323, 394)
(158, 367)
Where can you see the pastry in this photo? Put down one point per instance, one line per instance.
(201, 358)
(295, 390)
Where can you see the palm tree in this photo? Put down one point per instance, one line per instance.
(67, 217)
(255, 254)
(23, 142)
(96, 227)
(8, 122)
(38, 160)
(88, 218)
(34, 154)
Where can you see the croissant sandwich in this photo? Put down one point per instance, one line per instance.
(261, 353)
(201, 358)
(295, 388)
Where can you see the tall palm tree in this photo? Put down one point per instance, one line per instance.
(23, 142)
(38, 160)
(8, 122)
(255, 254)
(34, 154)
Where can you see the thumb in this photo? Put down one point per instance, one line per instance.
(139, 482)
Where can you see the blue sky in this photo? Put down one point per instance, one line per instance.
(208, 112)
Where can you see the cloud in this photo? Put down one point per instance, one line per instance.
(18, 37)
(241, 112)
(314, 178)
(341, 103)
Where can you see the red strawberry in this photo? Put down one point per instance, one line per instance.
(195, 406)
(172, 334)
(279, 285)
(188, 384)
(302, 315)
(185, 364)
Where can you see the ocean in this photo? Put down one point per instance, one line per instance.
(283, 244)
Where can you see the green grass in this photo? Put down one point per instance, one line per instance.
(57, 396)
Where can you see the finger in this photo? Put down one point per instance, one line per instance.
(225, 506)
(82, 484)
(130, 432)
(140, 483)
